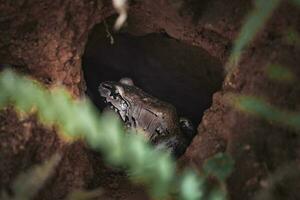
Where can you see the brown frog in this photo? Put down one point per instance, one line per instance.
(141, 111)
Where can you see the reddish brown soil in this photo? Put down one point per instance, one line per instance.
(47, 38)
(259, 147)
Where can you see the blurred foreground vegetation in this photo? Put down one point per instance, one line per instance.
(156, 169)
(80, 120)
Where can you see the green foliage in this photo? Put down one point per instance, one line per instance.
(79, 119)
(220, 166)
(217, 195)
(253, 24)
(297, 2)
(85, 195)
(292, 37)
(261, 108)
(190, 187)
(27, 184)
(279, 73)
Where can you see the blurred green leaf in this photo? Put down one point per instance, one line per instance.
(261, 108)
(279, 73)
(220, 166)
(192, 187)
(256, 106)
(253, 24)
(27, 184)
(296, 2)
(85, 195)
(292, 37)
(138, 162)
(163, 175)
(217, 194)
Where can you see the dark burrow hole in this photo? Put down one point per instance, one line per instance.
(173, 71)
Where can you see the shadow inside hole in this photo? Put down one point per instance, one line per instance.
(181, 74)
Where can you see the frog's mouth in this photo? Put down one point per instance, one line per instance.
(112, 95)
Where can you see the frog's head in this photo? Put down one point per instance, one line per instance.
(119, 95)
(125, 99)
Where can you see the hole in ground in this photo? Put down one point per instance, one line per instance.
(183, 75)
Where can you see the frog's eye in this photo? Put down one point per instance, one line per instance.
(126, 81)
